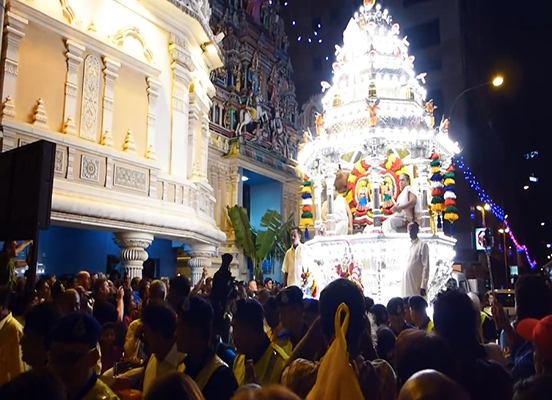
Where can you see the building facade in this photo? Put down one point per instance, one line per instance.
(253, 131)
(123, 90)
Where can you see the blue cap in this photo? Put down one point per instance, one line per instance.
(290, 296)
(76, 328)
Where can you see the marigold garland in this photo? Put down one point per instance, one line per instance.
(451, 212)
(307, 217)
(437, 186)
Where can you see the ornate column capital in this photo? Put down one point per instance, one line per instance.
(201, 255)
(133, 253)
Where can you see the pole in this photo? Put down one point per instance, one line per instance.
(505, 257)
(490, 270)
(462, 94)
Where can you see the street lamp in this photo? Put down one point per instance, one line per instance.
(482, 209)
(496, 82)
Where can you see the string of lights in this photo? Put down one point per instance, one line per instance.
(496, 210)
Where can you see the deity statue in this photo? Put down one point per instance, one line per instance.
(265, 14)
(226, 122)
(254, 9)
(231, 41)
(285, 43)
(236, 71)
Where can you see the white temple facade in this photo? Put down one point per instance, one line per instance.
(123, 89)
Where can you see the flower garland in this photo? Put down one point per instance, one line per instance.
(351, 271)
(451, 212)
(437, 201)
(305, 281)
(307, 217)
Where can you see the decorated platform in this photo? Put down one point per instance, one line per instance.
(376, 137)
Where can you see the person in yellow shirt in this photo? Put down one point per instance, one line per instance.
(73, 354)
(290, 306)
(418, 311)
(11, 332)
(258, 361)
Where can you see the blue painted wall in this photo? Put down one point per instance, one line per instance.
(266, 196)
(69, 250)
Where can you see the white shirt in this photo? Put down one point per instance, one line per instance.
(402, 200)
(156, 368)
(416, 274)
(341, 215)
(293, 264)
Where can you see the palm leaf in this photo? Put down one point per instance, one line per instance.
(272, 222)
(242, 228)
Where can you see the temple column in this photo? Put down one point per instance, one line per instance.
(153, 93)
(317, 182)
(182, 79)
(201, 255)
(15, 25)
(194, 161)
(375, 183)
(74, 60)
(111, 69)
(330, 222)
(133, 251)
(204, 148)
(423, 188)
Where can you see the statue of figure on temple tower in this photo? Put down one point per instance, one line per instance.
(265, 14)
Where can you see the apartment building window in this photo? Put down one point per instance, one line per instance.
(411, 3)
(424, 35)
(317, 64)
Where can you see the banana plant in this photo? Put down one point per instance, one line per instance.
(269, 242)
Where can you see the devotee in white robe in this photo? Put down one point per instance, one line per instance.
(416, 274)
(404, 210)
(295, 262)
(341, 215)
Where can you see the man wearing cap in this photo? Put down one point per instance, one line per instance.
(540, 333)
(194, 333)
(397, 316)
(258, 361)
(290, 306)
(418, 312)
(294, 260)
(416, 274)
(72, 356)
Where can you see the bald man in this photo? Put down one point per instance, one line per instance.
(83, 279)
(432, 385)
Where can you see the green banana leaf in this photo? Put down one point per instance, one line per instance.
(242, 228)
(271, 221)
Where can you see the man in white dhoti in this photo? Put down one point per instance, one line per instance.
(292, 266)
(404, 210)
(416, 274)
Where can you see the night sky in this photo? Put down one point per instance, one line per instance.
(513, 120)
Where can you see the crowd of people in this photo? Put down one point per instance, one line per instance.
(93, 337)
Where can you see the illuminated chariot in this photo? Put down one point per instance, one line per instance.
(376, 126)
